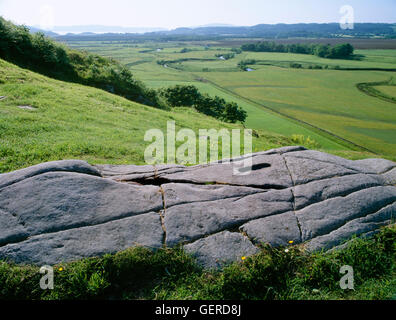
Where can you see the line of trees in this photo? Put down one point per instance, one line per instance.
(189, 96)
(340, 51)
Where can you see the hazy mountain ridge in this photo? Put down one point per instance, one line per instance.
(277, 31)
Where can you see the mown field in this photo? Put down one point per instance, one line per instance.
(320, 100)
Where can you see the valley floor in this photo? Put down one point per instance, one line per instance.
(320, 100)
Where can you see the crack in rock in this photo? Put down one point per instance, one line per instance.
(162, 216)
(66, 210)
(294, 207)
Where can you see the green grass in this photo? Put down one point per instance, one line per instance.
(170, 274)
(72, 121)
(370, 59)
(383, 90)
(326, 99)
(308, 100)
(388, 90)
(258, 118)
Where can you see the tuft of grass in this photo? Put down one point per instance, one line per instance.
(306, 141)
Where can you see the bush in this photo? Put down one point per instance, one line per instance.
(295, 65)
(226, 56)
(308, 142)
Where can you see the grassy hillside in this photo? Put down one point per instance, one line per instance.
(41, 54)
(72, 121)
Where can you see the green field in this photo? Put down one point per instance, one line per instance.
(323, 104)
(388, 90)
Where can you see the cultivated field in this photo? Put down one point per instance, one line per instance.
(319, 100)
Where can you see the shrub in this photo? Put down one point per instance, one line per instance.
(295, 65)
(300, 139)
(226, 56)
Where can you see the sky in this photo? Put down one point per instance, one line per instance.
(184, 13)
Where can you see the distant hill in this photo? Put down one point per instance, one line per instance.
(292, 30)
(213, 25)
(103, 29)
(46, 32)
(268, 31)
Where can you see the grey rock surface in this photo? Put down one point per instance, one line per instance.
(390, 177)
(220, 249)
(67, 210)
(276, 230)
(188, 222)
(76, 166)
(56, 201)
(53, 248)
(269, 172)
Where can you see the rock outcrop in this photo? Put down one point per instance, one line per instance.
(66, 210)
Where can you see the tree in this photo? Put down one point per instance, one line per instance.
(322, 50)
(233, 113)
(181, 96)
(341, 51)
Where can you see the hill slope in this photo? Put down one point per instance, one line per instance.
(74, 121)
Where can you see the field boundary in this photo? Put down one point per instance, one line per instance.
(368, 88)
